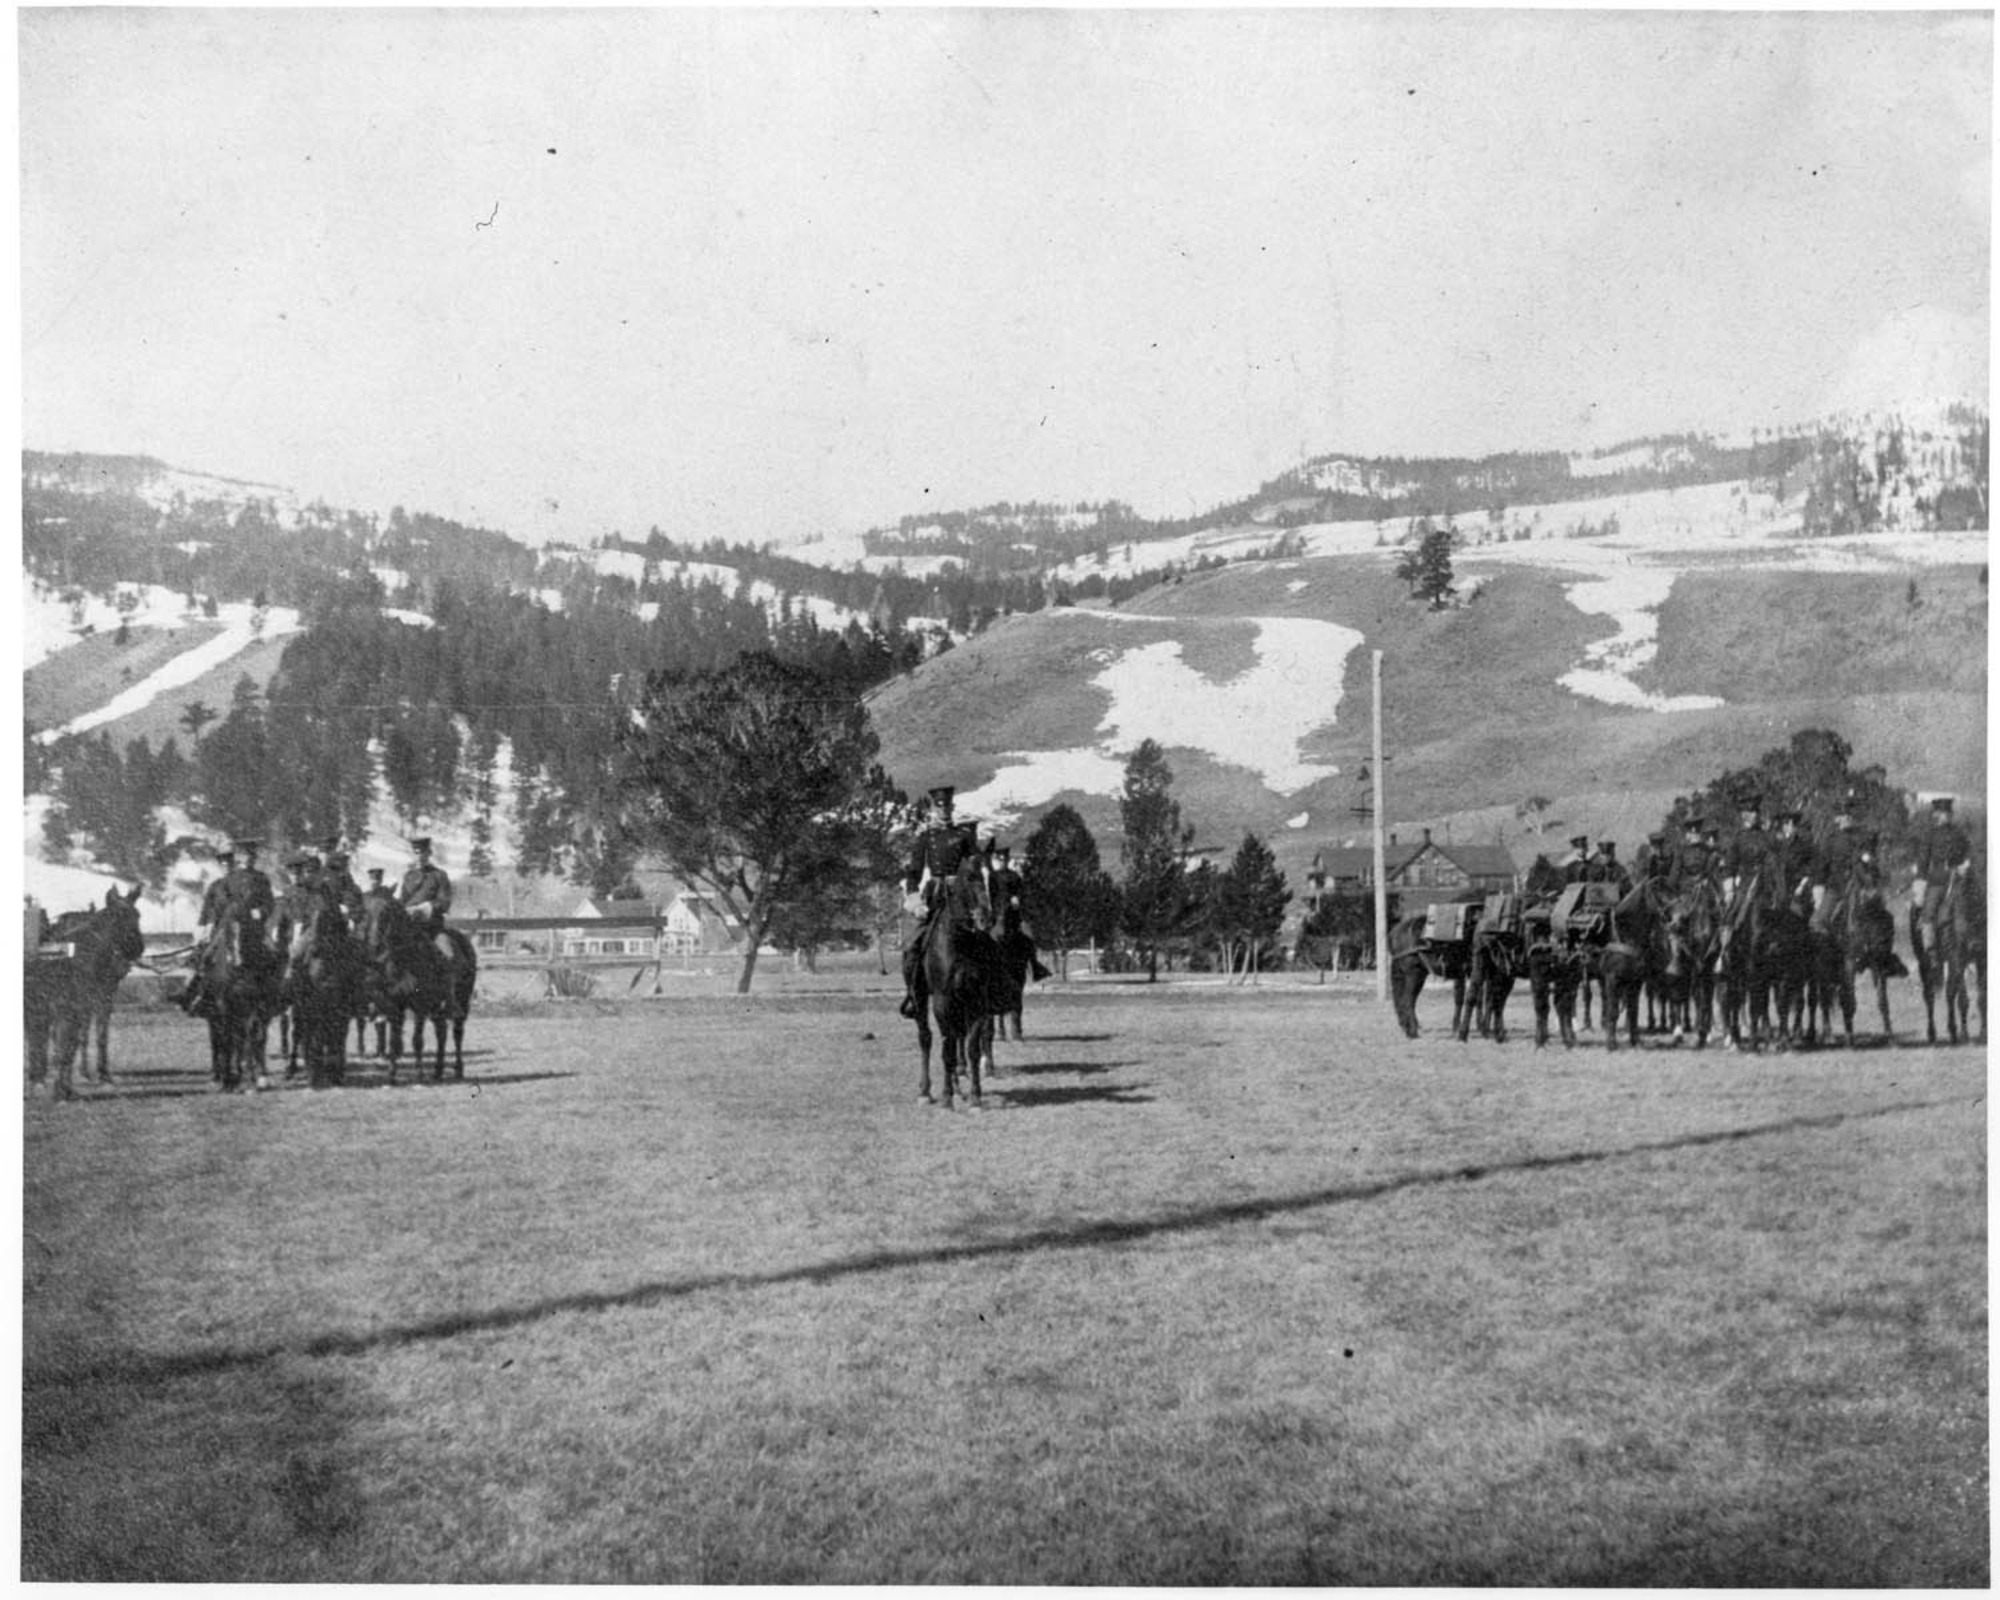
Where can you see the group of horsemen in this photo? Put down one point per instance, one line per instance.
(947, 850)
(243, 897)
(1776, 867)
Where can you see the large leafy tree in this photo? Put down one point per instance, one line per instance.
(1067, 897)
(757, 782)
(1154, 850)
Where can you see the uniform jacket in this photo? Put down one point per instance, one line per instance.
(1843, 859)
(247, 891)
(939, 852)
(1941, 847)
(1691, 864)
(429, 886)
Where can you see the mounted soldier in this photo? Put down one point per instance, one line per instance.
(1694, 858)
(1575, 867)
(293, 903)
(426, 888)
(1007, 888)
(1655, 864)
(242, 895)
(1605, 867)
(337, 881)
(944, 847)
(1792, 862)
(1943, 853)
(1748, 871)
(1842, 865)
(376, 890)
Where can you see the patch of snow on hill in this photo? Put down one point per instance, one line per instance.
(415, 619)
(239, 632)
(1633, 599)
(49, 624)
(1255, 720)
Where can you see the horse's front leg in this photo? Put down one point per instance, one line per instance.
(101, 1028)
(924, 1051)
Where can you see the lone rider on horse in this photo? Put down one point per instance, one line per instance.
(944, 847)
(243, 895)
(1007, 888)
(1943, 853)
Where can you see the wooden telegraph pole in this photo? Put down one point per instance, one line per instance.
(1381, 879)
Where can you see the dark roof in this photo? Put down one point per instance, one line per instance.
(1475, 860)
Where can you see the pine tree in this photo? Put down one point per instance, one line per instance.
(1154, 850)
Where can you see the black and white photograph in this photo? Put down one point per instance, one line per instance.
(936, 795)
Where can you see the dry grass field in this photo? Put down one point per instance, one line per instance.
(1222, 1286)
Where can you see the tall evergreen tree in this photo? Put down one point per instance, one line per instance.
(1154, 851)
(1068, 899)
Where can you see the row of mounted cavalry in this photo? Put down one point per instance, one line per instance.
(1694, 962)
(329, 969)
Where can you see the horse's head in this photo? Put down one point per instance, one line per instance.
(968, 899)
(120, 919)
(385, 927)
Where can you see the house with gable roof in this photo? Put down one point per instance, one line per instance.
(1417, 874)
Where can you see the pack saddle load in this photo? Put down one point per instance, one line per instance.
(1584, 909)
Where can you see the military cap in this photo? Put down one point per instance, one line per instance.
(421, 844)
(225, 853)
(1004, 853)
(338, 858)
(1657, 836)
(298, 860)
(1608, 846)
(1942, 802)
(1750, 802)
(1580, 841)
(247, 846)
(375, 873)
(943, 794)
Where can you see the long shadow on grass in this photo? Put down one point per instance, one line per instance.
(200, 1085)
(1109, 1094)
(1011, 1068)
(1076, 1236)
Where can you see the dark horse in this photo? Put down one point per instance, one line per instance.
(238, 973)
(966, 983)
(1413, 957)
(1637, 951)
(1499, 956)
(1859, 936)
(1943, 964)
(66, 998)
(1556, 971)
(1766, 959)
(1017, 953)
(428, 973)
(322, 986)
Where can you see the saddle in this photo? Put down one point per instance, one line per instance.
(1450, 921)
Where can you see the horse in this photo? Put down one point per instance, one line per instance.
(1859, 936)
(239, 973)
(1765, 959)
(427, 973)
(1694, 934)
(1499, 956)
(1638, 949)
(1943, 963)
(1413, 957)
(322, 984)
(966, 983)
(66, 999)
(1556, 970)
(1017, 954)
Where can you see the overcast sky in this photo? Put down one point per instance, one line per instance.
(762, 272)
